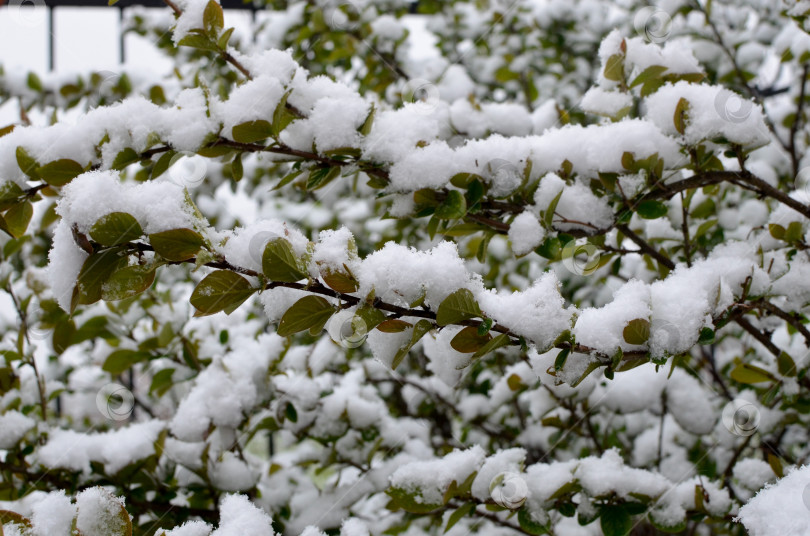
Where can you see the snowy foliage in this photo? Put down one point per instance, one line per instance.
(531, 267)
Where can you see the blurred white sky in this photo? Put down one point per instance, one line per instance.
(88, 39)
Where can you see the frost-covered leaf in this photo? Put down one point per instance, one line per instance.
(127, 282)
(213, 17)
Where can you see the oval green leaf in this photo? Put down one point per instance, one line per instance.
(637, 331)
(457, 307)
(176, 245)
(127, 282)
(307, 312)
(279, 262)
(60, 172)
(220, 291)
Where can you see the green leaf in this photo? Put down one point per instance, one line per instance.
(60, 172)
(550, 248)
(127, 282)
(116, 228)
(529, 525)
(748, 374)
(498, 341)
(453, 207)
(706, 336)
(321, 176)
(548, 215)
(27, 163)
(559, 362)
(794, 232)
(201, 42)
(777, 231)
(220, 291)
(10, 194)
(281, 115)
(637, 331)
(279, 262)
(787, 367)
(515, 382)
(121, 360)
(458, 514)
(614, 68)
(339, 280)
(237, 169)
(125, 158)
(457, 307)
(680, 117)
(290, 413)
(213, 17)
(252, 131)
(484, 327)
(223, 40)
(288, 178)
(650, 73)
(34, 82)
(307, 312)
(650, 209)
(161, 382)
(419, 331)
(162, 164)
(370, 316)
(365, 128)
(96, 270)
(615, 521)
(176, 245)
(16, 219)
(393, 325)
(468, 340)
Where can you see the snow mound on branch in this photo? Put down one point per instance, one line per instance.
(782, 508)
(157, 206)
(13, 426)
(115, 449)
(430, 479)
(712, 112)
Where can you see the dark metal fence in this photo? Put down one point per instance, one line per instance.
(52, 5)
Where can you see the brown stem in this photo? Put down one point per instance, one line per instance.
(645, 247)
